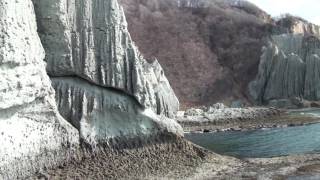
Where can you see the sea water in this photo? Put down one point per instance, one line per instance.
(264, 142)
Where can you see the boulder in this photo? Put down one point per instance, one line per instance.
(194, 112)
(33, 135)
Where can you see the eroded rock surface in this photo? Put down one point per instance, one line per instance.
(103, 114)
(32, 133)
(89, 40)
(289, 68)
(105, 88)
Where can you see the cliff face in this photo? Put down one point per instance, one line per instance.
(104, 86)
(210, 50)
(89, 40)
(289, 66)
(296, 25)
(32, 133)
(106, 91)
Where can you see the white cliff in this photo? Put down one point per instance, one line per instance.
(90, 40)
(104, 86)
(102, 114)
(289, 68)
(32, 133)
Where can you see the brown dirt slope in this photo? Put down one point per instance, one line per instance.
(210, 50)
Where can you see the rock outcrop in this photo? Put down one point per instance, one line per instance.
(32, 133)
(105, 88)
(289, 69)
(103, 114)
(296, 25)
(218, 117)
(89, 40)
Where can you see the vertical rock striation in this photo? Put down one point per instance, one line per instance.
(289, 68)
(103, 114)
(105, 88)
(32, 133)
(90, 40)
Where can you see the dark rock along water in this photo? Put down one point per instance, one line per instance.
(263, 143)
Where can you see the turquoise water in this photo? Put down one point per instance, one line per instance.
(263, 143)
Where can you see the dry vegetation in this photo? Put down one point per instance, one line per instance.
(210, 50)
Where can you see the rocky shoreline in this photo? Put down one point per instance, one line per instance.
(139, 159)
(219, 118)
(79, 101)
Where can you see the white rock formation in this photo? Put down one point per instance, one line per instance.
(289, 68)
(32, 133)
(102, 114)
(89, 39)
(104, 86)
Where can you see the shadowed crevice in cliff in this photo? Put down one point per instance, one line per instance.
(95, 85)
(101, 113)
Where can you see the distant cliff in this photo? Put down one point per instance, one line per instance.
(289, 68)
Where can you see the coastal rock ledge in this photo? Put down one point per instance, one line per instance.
(97, 95)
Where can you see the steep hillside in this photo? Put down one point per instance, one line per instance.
(210, 50)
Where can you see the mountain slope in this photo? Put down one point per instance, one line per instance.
(209, 50)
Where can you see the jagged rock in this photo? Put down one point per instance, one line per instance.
(296, 25)
(289, 68)
(90, 40)
(194, 112)
(105, 88)
(32, 133)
